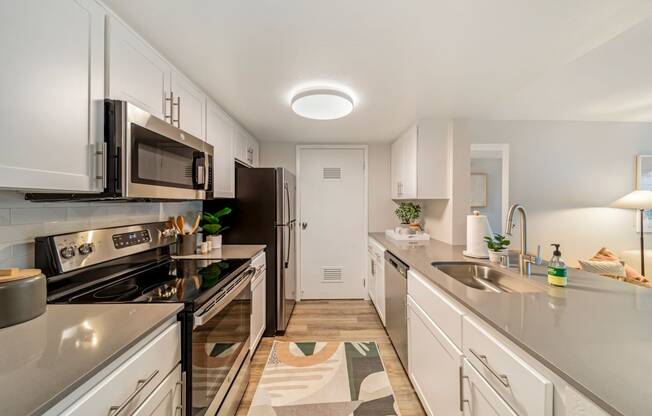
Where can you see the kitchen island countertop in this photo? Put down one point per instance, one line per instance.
(47, 358)
(596, 333)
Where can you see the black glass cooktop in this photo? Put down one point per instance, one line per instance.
(188, 281)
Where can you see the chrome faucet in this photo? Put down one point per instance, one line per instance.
(525, 260)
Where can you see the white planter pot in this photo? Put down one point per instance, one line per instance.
(215, 240)
(494, 256)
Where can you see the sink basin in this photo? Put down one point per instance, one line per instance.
(482, 277)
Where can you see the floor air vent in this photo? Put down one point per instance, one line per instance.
(332, 173)
(331, 274)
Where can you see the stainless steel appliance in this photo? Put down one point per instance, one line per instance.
(396, 305)
(146, 158)
(133, 264)
(264, 213)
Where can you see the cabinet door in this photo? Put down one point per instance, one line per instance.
(434, 364)
(255, 152)
(220, 131)
(258, 309)
(380, 289)
(395, 169)
(136, 72)
(188, 110)
(479, 398)
(166, 399)
(52, 81)
(409, 143)
(371, 278)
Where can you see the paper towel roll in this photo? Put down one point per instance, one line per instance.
(477, 227)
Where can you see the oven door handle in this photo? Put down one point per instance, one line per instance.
(203, 316)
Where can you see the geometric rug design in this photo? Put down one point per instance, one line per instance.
(324, 379)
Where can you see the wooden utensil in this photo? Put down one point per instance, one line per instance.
(195, 225)
(181, 222)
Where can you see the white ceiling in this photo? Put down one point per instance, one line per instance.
(404, 60)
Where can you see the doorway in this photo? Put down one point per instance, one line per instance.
(332, 218)
(490, 183)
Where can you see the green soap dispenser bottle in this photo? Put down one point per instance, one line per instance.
(557, 270)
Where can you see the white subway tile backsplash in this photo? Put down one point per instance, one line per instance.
(21, 221)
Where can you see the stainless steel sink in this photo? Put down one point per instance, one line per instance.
(482, 277)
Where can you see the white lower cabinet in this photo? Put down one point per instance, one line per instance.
(479, 398)
(376, 276)
(166, 400)
(258, 296)
(434, 364)
(132, 383)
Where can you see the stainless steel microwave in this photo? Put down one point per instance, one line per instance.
(145, 158)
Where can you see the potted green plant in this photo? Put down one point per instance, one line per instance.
(497, 245)
(211, 227)
(408, 213)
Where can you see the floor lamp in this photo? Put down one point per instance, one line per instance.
(641, 201)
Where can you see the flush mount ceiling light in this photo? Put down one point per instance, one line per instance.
(322, 104)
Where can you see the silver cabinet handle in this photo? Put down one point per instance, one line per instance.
(462, 399)
(116, 410)
(178, 106)
(504, 380)
(182, 383)
(167, 117)
(101, 155)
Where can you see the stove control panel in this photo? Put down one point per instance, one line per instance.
(131, 239)
(67, 252)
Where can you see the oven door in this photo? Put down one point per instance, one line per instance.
(220, 345)
(162, 161)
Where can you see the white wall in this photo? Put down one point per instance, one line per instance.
(566, 173)
(381, 207)
(21, 221)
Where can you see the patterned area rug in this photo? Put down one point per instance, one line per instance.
(324, 379)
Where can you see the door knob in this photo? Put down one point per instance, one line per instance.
(304, 225)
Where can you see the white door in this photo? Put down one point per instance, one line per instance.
(189, 106)
(434, 364)
(480, 399)
(220, 133)
(333, 223)
(136, 72)
(52, 83)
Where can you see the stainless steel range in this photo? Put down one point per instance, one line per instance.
(133, 264)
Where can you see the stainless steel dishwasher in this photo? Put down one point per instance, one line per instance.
(396, 305)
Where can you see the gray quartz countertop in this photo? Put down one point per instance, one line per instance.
(228, 251)
(47, 358)
(596, 333)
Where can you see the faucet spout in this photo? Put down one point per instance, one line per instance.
(525, 259)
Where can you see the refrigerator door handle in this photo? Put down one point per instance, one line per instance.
(290, 226)
(286, 188)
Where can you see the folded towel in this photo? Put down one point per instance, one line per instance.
(631, 275)
(603, 267)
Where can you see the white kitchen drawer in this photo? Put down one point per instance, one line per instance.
(526, 391)
(479, 398)
(438, 306)
(145, 370)
(167, 399)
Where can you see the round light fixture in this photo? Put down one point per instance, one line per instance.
(322, 104)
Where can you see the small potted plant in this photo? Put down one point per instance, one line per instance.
(408, 213)
(497, 245)
(211, 227)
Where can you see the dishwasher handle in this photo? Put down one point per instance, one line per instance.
(397, 264)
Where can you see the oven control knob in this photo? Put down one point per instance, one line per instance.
(67, 252)
(86, 249)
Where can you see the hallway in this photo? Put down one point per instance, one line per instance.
(338, 320)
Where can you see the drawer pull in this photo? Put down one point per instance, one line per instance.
(116, 410)
(483, 360)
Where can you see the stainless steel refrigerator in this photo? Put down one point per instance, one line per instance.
(264, 213)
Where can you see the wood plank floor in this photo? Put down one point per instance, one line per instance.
(338, 320)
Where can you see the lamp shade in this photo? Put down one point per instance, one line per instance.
(634, 200)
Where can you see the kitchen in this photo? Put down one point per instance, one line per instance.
(263, 208)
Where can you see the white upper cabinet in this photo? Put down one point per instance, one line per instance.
(52, 80)
(220, 132)
(188, 106)
(136, 72)
(419, 162)
(246, 148)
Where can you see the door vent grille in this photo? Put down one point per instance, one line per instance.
(332, 274)
(332, 173)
